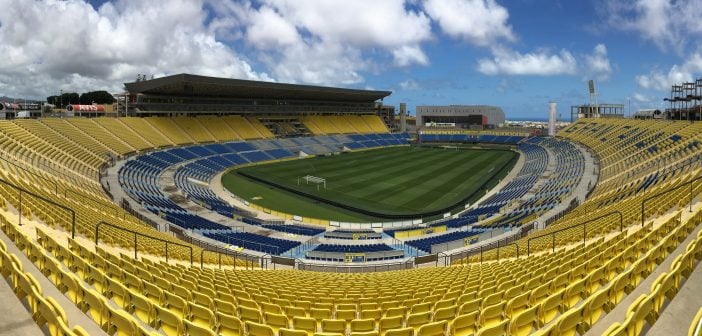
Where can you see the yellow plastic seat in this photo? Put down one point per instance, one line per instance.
(595, 306)
(364, 333)
(142, 308)
(397, 311)
(517, 304)
(228, 325)
(267, 307)
(306, 323)
(399, 332)
(525, 322)
(250, 314)
(550, 308)
(362, 325)
(192, 329)
(334, 326)
(465, 325)
(433, 329)
(492, 315)
(570, 323)
(201, 315)
(292, 312)
(170, 323)
(417, 320)
(696, 325)
(175, 304)
(469, 307)
(445, 314)
(420, 308)
(388, 323)
(48, 312)
(70, 285)
(257, 329)
(95, 305)
(292, 332)
(225, 307)
(121, 323)
(276, 321)
(375, 314)
(639, 314)
(499, 329)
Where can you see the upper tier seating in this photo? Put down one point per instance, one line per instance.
(344, 124)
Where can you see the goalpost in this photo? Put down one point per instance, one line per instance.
(313, 179)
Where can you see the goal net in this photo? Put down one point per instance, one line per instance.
(314, 180)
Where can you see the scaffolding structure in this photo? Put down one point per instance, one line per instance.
(685, 101)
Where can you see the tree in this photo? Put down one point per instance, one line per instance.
(97, 97)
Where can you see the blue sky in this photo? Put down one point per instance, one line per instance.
(515, 54)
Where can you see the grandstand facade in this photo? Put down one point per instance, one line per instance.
(187, 94)
(460, 116)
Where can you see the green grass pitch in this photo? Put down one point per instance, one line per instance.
(398, 180)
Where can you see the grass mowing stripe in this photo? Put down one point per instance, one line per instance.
(437, 192)
(394, 186)
(391, 175)
(422, 178)
(470, 180)
(398, 180)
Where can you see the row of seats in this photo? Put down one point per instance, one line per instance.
(344, 124)
(613, 267)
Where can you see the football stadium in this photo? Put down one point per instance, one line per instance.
(214, 206)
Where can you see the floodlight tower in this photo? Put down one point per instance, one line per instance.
(595, 110)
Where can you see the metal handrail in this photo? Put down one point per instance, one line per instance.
(136, 234)
(22, 190)
(584, 224)
(643, 203)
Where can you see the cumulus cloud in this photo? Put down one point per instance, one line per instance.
(320, 42)
(540, 63)
(667, 23)
(480, 22)
(545, 62)
(677, 74)
(409, 85)
(73, 46)
(641, 98)
(597, 65)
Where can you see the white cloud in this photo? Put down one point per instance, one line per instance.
(641, 98)
(51, 45)
(409, 85)
(677, 74)
(545, 62)
(407, 55)
(328, 42)
(539, 63)
(597, 65)
(73, 46)
(480, 22)
(269, 30)
(667, 23)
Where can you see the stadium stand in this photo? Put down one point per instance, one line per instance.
(563, 286)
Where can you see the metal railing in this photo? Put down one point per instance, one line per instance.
(136, 235)
(584, 224)
(400, 265)
(480, 250)
(22, 190)
(643, 202)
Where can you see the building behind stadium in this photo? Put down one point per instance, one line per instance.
(460, 116)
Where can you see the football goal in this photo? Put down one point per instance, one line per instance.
(314, 180)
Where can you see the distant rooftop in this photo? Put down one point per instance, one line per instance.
(195, 85)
